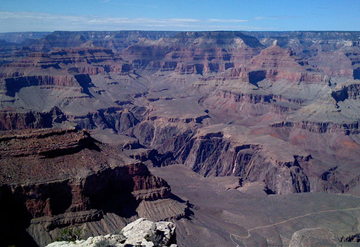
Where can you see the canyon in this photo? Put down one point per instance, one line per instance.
(244, 126)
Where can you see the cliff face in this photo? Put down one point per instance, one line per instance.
(10, 119)
(125, 185)
(56, 178)
(117, 119)
(347, 92)
(213, 155)
(308, 44)
(194, 52)
(282, 64)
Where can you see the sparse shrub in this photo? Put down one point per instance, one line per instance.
(102, 243)
(70, 234)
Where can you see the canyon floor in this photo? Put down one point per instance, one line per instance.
(224, 215)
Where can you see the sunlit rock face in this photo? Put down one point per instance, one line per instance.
(140, 232)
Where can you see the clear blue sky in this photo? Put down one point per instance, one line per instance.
(275, 15)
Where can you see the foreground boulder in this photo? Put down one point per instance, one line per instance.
(141, 232)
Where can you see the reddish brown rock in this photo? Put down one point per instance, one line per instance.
(11, 119)
(49, 173)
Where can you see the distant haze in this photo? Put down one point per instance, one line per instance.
(200, 15)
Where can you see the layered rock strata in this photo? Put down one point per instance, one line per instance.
(56, 178)
(162, 88)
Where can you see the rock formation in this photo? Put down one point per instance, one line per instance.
(313, 237)
(141, 232)
(12, 119)
(52, 179)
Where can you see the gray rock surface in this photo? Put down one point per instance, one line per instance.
(313, 237)
(141, 232)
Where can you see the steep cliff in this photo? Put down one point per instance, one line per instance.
(57, 178)
(222, 153)
(10, 119)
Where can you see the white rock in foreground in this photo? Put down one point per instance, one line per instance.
(141, 232)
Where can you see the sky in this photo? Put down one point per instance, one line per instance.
(179, 15)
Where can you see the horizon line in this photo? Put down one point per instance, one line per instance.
(177, 31)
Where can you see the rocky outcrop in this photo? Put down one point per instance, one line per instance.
(321, 127)
(117, 119)
(56, 178)
(82, 55)
(10, 120)
(275, 63)
(351, 91)
(141, 232)
(333, 64)
(249, 98)
(275, 56)
(313, 236)
(164, 134)
(13, 85)
(212, 154)
(193, 52)
(147, 230)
